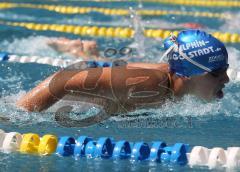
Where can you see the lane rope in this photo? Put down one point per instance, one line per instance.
(113, 11)
(202, 3)
(118, 32)
(234, 74)
(108, 148)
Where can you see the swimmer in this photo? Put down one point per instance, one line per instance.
(86, 49)
(77, 48)
(197, 65)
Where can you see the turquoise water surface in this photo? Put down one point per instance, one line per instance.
(192, 121)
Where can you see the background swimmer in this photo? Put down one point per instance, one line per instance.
(86, 49)
(77, 48)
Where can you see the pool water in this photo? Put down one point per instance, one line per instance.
(192, 121)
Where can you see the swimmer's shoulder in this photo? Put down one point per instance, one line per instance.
(162, 76)
(163, 67)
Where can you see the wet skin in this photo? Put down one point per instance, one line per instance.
(209, 85)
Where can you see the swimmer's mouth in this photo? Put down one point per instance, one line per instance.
(219, 93)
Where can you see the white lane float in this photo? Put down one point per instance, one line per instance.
(215, 158)
(2, 136)
(40, 60)
(198, 156)
(10, 142)
(233, 157)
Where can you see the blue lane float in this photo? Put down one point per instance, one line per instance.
(66, 146)
(107, 148)
(140, 151)
(103, 147)
(4, 56)
(156, 151)
(80, 145)
(175, 154)
(122, 150)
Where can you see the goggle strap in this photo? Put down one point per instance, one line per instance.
(175, 45)
(194, 62)
(166, 53)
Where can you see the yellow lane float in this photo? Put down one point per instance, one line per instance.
(32, 143)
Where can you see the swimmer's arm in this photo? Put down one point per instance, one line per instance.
(77, 48)
(40, 97)
(58, 85)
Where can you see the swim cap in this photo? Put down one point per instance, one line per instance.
(196, 52)
(167, 43)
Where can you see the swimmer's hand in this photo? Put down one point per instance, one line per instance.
(78, 48)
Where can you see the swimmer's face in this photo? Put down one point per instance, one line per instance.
(210, 85)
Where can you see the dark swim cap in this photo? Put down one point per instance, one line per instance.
(196, 52)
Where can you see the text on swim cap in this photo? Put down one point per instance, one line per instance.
(200, 52)
(216, 58)
(195, 44)
(195, 53)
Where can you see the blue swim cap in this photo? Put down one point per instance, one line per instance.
(196, 52)
(167, 43)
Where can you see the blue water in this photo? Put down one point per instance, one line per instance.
(190, 121)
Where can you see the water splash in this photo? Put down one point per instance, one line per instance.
(189, 106)
(12, 114)
(33, 45)
(234, 57)
(231, 24)
(139, 38)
